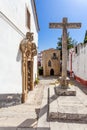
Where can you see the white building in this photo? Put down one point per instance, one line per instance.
(39, 59)
(16, 18)
(77, 63)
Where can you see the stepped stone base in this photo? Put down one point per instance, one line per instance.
(67, 116)
(70, 91)
(66, 107)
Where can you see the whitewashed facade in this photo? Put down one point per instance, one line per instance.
(13, 28)
(79, 63)
(40, 59)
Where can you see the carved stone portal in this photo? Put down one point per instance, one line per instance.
(29, 50)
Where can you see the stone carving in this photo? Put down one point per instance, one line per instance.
(29, 50)
(34, 49)
(29, 36)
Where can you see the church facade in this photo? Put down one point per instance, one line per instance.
(51, 62)
(18, 55)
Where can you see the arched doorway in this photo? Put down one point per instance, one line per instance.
(51, 72)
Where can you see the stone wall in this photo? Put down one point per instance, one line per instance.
(51, 56)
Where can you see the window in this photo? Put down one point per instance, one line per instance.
(28, 18)
(54, 54)
(54, 57)
(76, 49)
(49, 63)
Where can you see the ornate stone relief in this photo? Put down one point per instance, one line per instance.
(29, 50)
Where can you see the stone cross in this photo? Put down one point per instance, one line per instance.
(64, 26)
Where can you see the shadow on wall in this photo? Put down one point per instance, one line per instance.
(19, 55)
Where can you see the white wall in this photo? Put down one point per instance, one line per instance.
(10, 38)
(10, 64)
(79, 61)
(15, 11)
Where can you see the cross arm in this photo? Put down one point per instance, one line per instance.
(67, 25)
(73, 25)
(55, 25)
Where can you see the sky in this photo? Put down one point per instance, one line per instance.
(54, 11)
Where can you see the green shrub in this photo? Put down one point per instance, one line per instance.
(40, 70)
(36, 81)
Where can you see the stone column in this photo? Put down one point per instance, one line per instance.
(64, 25)
(31, 79)
(64, 51)
(23, 77)
(26, 78)
(63, 80)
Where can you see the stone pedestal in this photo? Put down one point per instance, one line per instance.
(70, 91)
(64, 82)
(63, 89)
(66, 108)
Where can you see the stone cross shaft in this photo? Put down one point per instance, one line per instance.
(64, 26)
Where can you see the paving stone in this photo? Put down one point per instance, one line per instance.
(18, 117)
(26, 128)
(66, 108)
(8, 128)
(58, 126)
(22, 115)
(76, 126)
(42, 123)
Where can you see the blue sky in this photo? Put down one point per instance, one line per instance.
(53, 11)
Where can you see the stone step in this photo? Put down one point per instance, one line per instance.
(70, 91)
(67, 116)
(66, 107)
